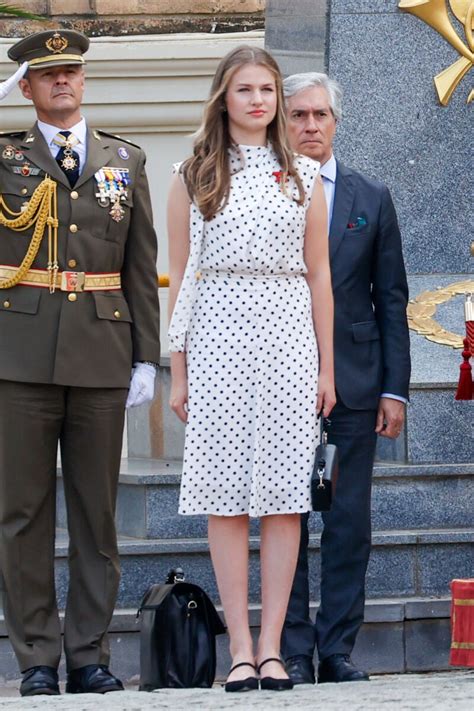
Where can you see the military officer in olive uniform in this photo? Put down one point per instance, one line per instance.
(79, 337)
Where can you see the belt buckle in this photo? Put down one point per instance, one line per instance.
(73, 281)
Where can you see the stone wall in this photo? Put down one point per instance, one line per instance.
(295, 33)
(138, 17)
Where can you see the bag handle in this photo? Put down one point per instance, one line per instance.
(175, 575)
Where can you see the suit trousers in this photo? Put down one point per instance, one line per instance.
(88, 425)
(345, 547)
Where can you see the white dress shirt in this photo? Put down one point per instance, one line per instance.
(328, 174)
(79, 130)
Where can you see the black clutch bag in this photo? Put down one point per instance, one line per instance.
(325, 471)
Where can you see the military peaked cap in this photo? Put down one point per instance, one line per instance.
(50, 48)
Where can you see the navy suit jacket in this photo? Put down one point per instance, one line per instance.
(371, 340)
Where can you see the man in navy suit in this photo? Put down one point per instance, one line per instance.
(372, 365)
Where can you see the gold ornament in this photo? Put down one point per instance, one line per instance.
(422, 309)
(57, 43)
(435, 14)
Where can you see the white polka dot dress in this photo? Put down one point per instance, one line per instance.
(251, 349)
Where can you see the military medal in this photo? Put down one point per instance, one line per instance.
(19, 155)
(9, 152)
(117, 212)
(68, 162)
(112, 189)
(26, 169)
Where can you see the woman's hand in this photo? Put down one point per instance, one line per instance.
(326, 394)
(179, 397)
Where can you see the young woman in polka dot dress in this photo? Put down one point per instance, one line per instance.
(250, 290)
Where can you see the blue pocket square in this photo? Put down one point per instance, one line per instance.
(360, 222)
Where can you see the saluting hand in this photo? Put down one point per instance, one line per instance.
(7, 85)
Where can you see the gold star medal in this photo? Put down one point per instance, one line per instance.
(68, 162)
(116, 212)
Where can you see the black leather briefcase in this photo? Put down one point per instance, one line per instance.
(179, 624)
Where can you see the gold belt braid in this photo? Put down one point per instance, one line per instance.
(41, 210)
(67, 280)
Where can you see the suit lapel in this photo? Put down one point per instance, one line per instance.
(99, 154)
(343, 200)
(37, 151)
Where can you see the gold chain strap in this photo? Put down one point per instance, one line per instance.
(42, 210)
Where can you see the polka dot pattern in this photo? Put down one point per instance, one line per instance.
(251, 351)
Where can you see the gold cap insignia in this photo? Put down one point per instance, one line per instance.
(57, 44)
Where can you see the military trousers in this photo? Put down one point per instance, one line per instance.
(87, 424)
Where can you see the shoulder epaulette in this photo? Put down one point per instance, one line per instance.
(12, 134)
(119, 138)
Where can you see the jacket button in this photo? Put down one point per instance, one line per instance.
(117, 314)
(74, 195)
(6, 304)
(72, 297)
(73, 228)
(72, 263)
(24, 191)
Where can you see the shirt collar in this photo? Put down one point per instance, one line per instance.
(329, 169)
(50, 132)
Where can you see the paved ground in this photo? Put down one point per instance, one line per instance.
(452, 691)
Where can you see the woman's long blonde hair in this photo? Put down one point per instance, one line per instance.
(207, 172)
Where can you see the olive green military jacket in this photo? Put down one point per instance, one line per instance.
(88, 339)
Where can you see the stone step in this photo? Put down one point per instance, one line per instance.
(403, 563)
(398, 635)
(404, 496)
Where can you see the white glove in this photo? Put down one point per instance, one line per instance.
(142, 384)
(7, 85)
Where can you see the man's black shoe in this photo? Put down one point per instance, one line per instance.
(92, 679)
(40, 680)
(300, 669)
(339, 667)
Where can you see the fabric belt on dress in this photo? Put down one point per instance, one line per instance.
(66, 281)
(236, 276)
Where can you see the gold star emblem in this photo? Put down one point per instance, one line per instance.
(435, 13)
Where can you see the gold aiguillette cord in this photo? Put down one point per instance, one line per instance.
(41, 210)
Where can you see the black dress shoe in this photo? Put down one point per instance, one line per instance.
(339, 667)
(40, 680)
(92, 679)
(300, 669)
